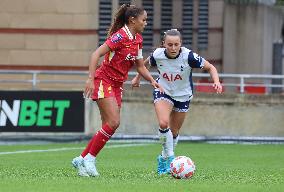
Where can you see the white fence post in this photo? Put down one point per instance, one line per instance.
(242, 84)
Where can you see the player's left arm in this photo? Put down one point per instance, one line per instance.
(214, 75)
(135, 82)
(144, 72)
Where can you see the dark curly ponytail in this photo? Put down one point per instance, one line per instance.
(122, 17)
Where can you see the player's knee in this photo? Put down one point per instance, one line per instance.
(164, 124)
(114, 123)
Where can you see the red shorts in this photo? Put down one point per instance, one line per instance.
(105, 89)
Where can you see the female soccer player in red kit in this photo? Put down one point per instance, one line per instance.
(121, 50)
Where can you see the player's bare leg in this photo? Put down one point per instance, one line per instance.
(110, 115)
(110, 112)
(163, 110)
(176, 122)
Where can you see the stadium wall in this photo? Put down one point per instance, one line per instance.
(210, 115)
(61, 34)
(47, 34)
(249, 33)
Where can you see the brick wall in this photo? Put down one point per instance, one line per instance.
(63, 33)
(47, 33)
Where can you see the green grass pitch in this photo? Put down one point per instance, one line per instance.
(220, 167)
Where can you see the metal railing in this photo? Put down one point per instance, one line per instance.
(33, 78)
(239, 82)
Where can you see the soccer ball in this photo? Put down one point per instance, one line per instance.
(182, 167)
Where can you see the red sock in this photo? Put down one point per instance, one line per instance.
(100, 139)
(87, 149)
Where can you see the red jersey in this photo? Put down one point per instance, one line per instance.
(124, 51)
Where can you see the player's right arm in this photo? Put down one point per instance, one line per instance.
(101, 51)
(214, 75)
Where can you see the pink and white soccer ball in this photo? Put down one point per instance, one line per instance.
(182, 167)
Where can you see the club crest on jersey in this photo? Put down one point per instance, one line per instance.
(172, 77)
(116, 38)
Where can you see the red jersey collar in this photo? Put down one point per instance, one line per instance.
(128, 33)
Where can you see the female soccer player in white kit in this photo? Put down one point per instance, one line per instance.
(174, 64)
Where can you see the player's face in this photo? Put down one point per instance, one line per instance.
(140, 22)
(172, 45)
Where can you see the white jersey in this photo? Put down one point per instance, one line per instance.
(175, 74)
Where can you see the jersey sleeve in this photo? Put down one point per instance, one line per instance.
(140, 46)
(195, 61)
(115, 41)
(152, 61)
(140, 54)
(140, 40)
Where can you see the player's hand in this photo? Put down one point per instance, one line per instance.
(157, 86)
(135, 82)
(89, 88)
(218, 87)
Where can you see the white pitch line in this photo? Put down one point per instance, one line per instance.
(66, 149)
